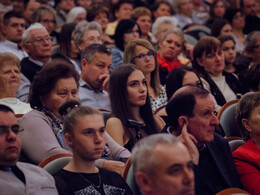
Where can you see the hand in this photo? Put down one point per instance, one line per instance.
(115, 166)
(104, 80)
(190, 142)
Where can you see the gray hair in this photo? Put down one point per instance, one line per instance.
(163, 20)
(250, 41)
(84, 26)
(177, 31)
(244, 110)
(74, 12)
(142, 157)
(89, 52)
(27, 35)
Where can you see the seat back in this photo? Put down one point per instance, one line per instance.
(130, 180)
(234, 144)
(55, 162)
(235, 191)
(226, 118)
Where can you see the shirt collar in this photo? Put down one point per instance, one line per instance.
(82, 83)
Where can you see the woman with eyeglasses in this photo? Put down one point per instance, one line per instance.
(126, 31)
(141, 53)
(171, 47)
(133, 117)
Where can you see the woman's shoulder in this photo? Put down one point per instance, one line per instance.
(114, 120)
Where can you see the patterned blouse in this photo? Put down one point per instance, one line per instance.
(161, 100)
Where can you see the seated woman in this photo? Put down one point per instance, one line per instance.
(76, 14)
(126, 31)
(68, 49)
(129, 100)
(84, 132)
(247, 157)
(221, 27)
(171, 47)
(42, 137)
(10, 77)
(208, 61)
(141, 53)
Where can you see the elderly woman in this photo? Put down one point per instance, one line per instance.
(171, 47)
(141, 53)
(46, 16)
(76, 14)
(246, 157)
(185, 15)
(126, 31)
(54, 85)
(208, 61)
(87, 33)
(10, 83)
(98, 12)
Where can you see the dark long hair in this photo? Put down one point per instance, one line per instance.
(121, 107)
(65, 38)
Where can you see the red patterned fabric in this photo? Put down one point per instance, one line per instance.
(165, 64)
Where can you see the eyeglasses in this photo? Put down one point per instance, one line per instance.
(142, 56)
(4, 130)
(41, 40)
(48, 21)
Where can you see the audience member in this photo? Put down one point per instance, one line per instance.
(18, 6)
(67, 48)
(143, 18)
(252, 21)
(253, 78)
(84, 3)
(87, 33)
(221, 27)
(252, 47)
(163, 165)
(179, 77)
(84, 132)
(237, 20)
(36, 41)
(13, 28)
(184, 13)
(126, 31)
(29, 8)
(161, 25)
(201, 10)
(95, 64)
(130, 101)
(10, 82)
(161, 8)
(62, 8)
(141, 53)
(171, 47)
(246, 157)
(217, 11)
(192, 108)
(208, 60)
(17, 177)
(98, 12)
(56, 83)
(46, 16)
(76, 14)
(122, 10)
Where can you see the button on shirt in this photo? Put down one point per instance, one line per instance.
(14, 48)
(98, 99)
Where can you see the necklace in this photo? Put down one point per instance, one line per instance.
(96, 186)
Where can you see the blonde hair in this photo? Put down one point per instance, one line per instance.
(9, 58)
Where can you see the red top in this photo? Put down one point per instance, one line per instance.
(247, 161)
(165, 64)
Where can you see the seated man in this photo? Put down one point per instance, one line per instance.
(17, 177)
(162, 165)
(95, 64)
(192, 107)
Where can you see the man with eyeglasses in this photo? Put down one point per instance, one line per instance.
(13, 28)
(17, 177)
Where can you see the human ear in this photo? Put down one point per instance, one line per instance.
(68, 139)
(198, 60)
(182, 120)
(246, 124)
(144, 182)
